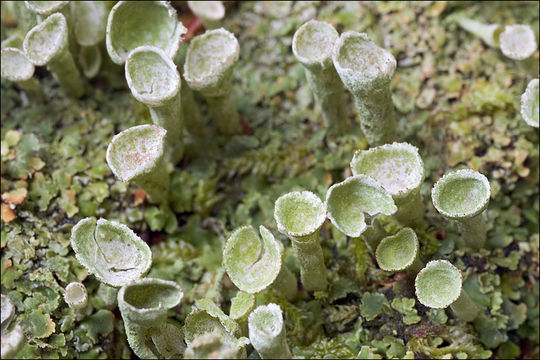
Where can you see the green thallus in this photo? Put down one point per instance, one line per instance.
(312, 46)
(136, 154)
(110, 250)
(398, 168)
(13, 340)
(529, 104)
(515, 41)
(76, 296)
(349, 201)
(254, 263)
(300, 215)
(47, 44)
(143, 305)
(17, 68)
(399, 252)
(133, 24)
(267, 332)
(463, 195)
(210, 12)
(366, 70)
(89, 20)
(439, 285)
(241, 306)
(153, 80)
(210, 60)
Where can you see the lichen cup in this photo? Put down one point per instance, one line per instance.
(463, 195)
(349, 201)
(300, 215)
(110, 250)
(439, 285)
(47, 44)
(312, 46)
(399, 252)
(136, 23)
(7, 313)
(241, 306)
(136, 154)
(366, 70)
(18, 69)
(211, 13)
(210, 60)
(12, 342)
(398, 168)
(518, 41)
(489, 33)
(254, 263)
(267, 332)
(154, 80)
(529, 104)
(45, 8)
(75, 295)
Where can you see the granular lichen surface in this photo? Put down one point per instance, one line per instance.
(456, 99)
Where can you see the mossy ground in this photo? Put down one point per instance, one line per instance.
(457, 101)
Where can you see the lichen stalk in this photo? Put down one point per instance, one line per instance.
(267, 332)
(312, 269)
(489, 33)
(464, 308)
(473, 231)
(410, 209)
(312, 46)
(285, 283)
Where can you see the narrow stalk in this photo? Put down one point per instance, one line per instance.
(193, 119)
(376, 113)
(312, 269)
(489, 33)
(473, 230)
(410, 209)
(224, 113)
(285, 283)
(464, 308)
(156, 183)
(65, 70)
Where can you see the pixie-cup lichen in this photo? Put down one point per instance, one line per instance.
(439, 285)
(136, 154)
(47, 44)
(300, 215)
(210, 12)
(136, 23)
(489, 33)
(14, 339)
(349, 201)
(518, 41)
(463, 195)
(241, 306)
(398, 168)
(399, 252)
(529, 104)
(154, 80)
(17, 68)
(45, 8)
(312, 47)
(210, 60)
(267, 332)
(75, 295)
(143, 305)
(254, 263)
(110, 250)
(366, 70)
(7, 313)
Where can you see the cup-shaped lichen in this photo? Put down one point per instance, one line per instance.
(366, 70)
(7, 312)
(210, 60)
(154, 80)
(143, 305)
(110, 250)
(439, 285)
(145, 301)
(399, 252)
(47, 44)
(398, 168)
(90, 60)
(267, 332)
(89, 20)
(45, 8)
(254, 263)
(241, 306)
(312, 45)
(347, 203)
(211, 345)
(13, 41)
(136, 23)
(136, 154)
(463, 195)
(517, 41)
(300, 215)
(489, 33)
(12, 342)
(210, 12)
(529, 104)
(17, 68)
(75, 295)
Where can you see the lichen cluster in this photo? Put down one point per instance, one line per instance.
(457, 99)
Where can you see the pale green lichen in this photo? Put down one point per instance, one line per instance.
(463, 195)
(518, 42)
(267, 332)
(399, 252)
(76, 295)
(312, 46)
(489, 33)
(17, 68)
(210, 12)
(529, 104)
